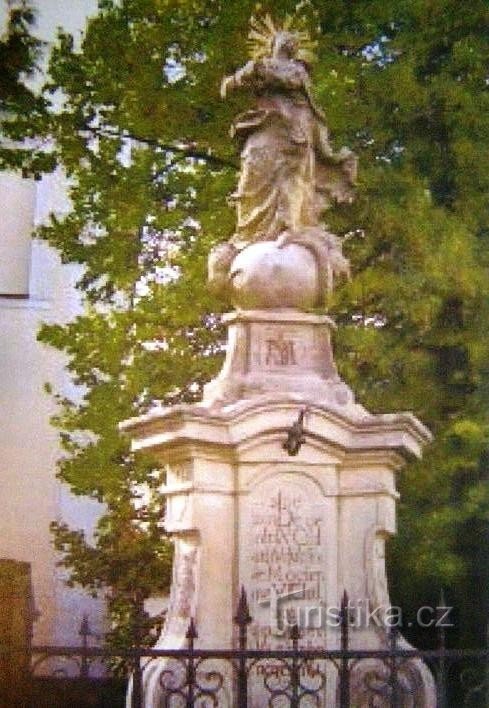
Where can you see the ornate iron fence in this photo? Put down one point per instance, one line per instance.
(292, 677)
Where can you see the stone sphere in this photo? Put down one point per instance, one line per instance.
(264, 276)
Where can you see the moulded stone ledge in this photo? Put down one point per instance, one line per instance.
(232, 426)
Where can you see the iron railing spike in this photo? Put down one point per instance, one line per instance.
(394, 636)
(344, 669)
(243, 616)
(85, 630)
(294, 632)
(192, 630)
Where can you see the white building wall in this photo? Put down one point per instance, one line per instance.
(15, 238)
(31, 497)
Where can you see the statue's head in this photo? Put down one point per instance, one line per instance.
(286, 41)
(285, 45)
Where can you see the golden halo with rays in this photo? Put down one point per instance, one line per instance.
(263, 31)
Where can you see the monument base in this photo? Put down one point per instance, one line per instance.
(296, 532)
(277, 351)
(295, 527)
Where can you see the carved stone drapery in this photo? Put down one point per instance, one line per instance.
(289, 176)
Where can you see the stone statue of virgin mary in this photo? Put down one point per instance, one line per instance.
(289, 172)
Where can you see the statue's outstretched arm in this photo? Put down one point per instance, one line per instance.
(344, 157)
(237, 79)
(322, 138)
(307, 87)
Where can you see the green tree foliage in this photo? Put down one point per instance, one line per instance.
(20, 108)
(405, 84)
(18, 55)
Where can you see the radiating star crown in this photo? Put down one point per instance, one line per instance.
(264, 31)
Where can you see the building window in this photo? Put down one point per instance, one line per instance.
(17, 203)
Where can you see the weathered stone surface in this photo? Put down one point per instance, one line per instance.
(266, 276)
(245, 513)
(272, 351)
(289, 176)
(289, 171)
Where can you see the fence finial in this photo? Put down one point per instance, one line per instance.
(191, 631)
(85, 630)
(243, 616)
(294, 634)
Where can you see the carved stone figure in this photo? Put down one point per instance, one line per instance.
(289, 172)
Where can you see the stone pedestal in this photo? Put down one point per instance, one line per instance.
(278, 351)
(296, 532)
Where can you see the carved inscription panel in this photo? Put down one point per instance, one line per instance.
(281, 347)
(283, 560)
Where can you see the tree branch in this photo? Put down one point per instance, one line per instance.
(181, 149)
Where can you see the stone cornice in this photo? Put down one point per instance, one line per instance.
(234, 425)
(286, 315)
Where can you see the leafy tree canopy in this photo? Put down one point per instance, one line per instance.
(134, 118)
(19, 52)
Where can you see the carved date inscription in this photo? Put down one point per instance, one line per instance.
(286, 565)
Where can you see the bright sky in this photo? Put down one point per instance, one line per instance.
(51, 14)
(70, 14)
